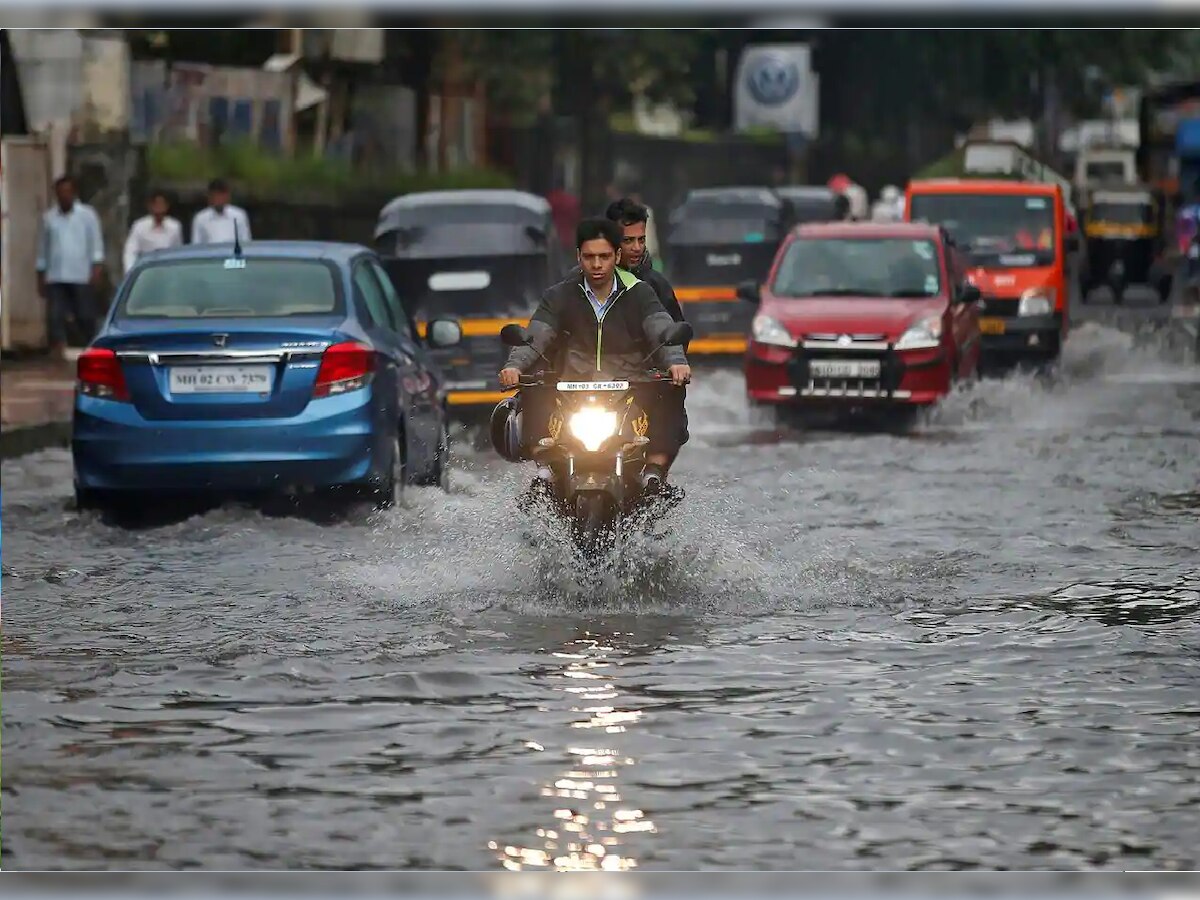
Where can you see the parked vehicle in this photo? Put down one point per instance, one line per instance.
(1014, 236)
(862, 315)
(482, 256)
(282, 367)
(719, 237)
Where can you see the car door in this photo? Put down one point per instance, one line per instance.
(420, 390)
(964, 316)
(378, 324)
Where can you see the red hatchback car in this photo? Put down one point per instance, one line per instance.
(862, 315)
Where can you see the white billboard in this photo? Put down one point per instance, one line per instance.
(776, 87)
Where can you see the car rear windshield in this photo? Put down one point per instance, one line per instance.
(205, 288)
(859, 267)
(1009, 230)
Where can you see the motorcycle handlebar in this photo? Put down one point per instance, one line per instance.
(654, 376)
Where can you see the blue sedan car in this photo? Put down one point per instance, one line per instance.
(279, 366)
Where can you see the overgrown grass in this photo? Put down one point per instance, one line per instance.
(625, 123)
(255, 171)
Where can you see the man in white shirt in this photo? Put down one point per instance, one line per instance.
(215, 224)
(70, 264)
(157, 231)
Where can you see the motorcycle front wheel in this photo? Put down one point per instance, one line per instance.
(592, 520)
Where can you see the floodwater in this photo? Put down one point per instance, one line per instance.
(973, 645)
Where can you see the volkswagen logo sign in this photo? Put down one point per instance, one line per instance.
(845, 340)
(773, 79)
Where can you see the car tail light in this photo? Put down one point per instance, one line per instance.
(99, 374)
(344, 367)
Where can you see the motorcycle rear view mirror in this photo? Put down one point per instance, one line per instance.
(514, 335)
(678, 334)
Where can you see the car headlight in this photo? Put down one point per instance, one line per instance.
(767, 331)
(925, 334)
(593, 426)
(1037, 301)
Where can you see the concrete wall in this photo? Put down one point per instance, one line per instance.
(24, 194)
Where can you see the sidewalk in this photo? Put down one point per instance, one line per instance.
(36, 399)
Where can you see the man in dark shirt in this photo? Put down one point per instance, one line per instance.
(633, 217)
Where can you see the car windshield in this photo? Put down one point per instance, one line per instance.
(1128, 213)
(200, 288)
(861, 267)
(1009, 230)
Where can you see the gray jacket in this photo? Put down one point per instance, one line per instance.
(615, 346)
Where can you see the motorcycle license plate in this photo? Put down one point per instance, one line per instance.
(593, 385)
(844, 368)
(991, 326)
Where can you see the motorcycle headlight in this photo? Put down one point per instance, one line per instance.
(925, 334)
(767, 331)
(1036, 302)
(593, 426)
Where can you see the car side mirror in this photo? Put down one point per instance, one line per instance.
(444, 333)
(969, 293)
(514, 335)
(748, 291)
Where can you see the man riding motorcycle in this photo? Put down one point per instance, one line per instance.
(611, 324)
(635, 257)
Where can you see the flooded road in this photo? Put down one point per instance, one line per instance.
(975, 645)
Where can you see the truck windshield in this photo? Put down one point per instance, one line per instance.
(1003, 230)
(858, 267)
(1102, 170)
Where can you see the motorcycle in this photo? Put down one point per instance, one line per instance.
(596, 447)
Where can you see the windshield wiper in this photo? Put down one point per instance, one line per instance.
(907, 294)
(836, 292)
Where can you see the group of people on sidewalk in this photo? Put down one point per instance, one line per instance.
(70, 260)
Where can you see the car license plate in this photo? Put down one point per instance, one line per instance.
(848, 368)
(220, 379)
(991, 326)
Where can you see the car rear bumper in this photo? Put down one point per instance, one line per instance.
(771, 377)
(115, 448)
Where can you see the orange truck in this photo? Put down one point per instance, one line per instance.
(1014, 236)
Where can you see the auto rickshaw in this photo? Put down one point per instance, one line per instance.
(811, 203)
(484, 256)
(717, 238)
(1123, 232)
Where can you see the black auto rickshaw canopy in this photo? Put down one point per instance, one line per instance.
(810, 203)
(474, 253)
(725, 235)
(1130, 207)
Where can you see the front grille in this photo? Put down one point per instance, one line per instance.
(832, 338)
(1000, 307)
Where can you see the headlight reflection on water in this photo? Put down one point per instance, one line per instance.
(592, 821)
